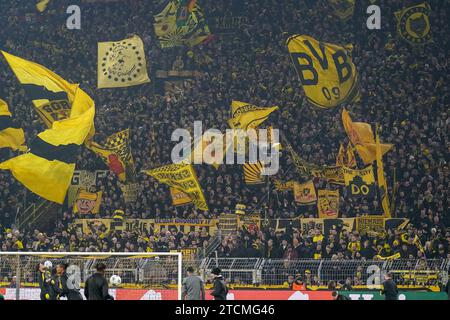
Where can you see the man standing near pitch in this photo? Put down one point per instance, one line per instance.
(389, 288)
(96, 286)
(220, 289)
(193, 288)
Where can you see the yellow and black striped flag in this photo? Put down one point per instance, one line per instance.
(48, 167)
(253, 173)
(11, 136)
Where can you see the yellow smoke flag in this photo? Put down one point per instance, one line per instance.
(41, 6)
(361, 136)
(182, 177)
(382, 185)
(326, 71)
(48, 167)
(245, 115)
(340, 158)
(122, 63)
(52, 96)
(413, 23)
(11, 136)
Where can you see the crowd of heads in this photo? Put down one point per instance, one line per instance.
(403, 89)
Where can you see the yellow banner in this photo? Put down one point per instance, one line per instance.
(327, 73)
(179, 198)
(245, 115)
(413, 23)
(182, 177)
(305, 193)
(370, 224)
(122, 63)
(11, 136)
(87, 202)
(328, 204)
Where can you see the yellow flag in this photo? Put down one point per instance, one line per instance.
(122, 63)
(305, 193)
(52, 96)
(182, 177)
(11, 136)
(48, 167)
(382, 185)
(253, 173)
(351, 159)
(361, 136)
(328, 204)
(87, 202)
(413, 23)
(326, 71)
(245, 115)
(179, 198)
(42, 5)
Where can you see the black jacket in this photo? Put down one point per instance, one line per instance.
(447, 289)
(96, 288)
(220, 289)
(390, 290)
(63, 291)
(47, 286)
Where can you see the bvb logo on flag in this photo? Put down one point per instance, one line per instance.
(122, 63)
(414, 23)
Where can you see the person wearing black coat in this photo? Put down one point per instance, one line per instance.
(220, 289)
(46, 283)
(389, 288)
(61, 287)
(447, 289)
(96, 286)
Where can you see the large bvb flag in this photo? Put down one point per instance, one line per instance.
(11, 136)
(48, 166)
(122, 63)
(413, 23)
(327, 72)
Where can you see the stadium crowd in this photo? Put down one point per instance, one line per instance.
(403, 89)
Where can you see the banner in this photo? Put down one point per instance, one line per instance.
(333, 175)
(84, 179)
(181, 22)
(186, 225)
(413, 23)
(245, 116)
(48, 167)
(11, 135)
(360, 183)
(250, 222)
(327, 73)
(253, 173)
(344, 9)
(305, 193)
(361, 136)
(328, 204)
(87, 202)
(179, 198)
(284, 186)
(122, 63)
(130, 191)
(370, 224)
(182, 177)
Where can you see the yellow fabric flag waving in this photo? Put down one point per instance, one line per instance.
(305, 193)
(48, 167)
(326, 71)
(360, 183)
(245, 115)
(122, 63)
(182, 177)
(41, 6)
(413, 23)
(11, 136)
(361, 136)
(52, 96)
